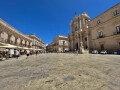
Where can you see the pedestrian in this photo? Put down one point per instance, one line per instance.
(7, 54)
(1, 56)
(36, 53)
(31, 53)
(27, 53)
(75, 52)
(17, 54)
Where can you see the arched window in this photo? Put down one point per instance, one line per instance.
(4, 36)
(12, 39)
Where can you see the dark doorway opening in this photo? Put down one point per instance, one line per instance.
(76, 46)
(102, 47)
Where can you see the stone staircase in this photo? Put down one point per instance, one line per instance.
(85, 52)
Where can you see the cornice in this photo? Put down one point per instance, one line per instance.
(107, 37)
(117, 22)
(108, 21)
(6, 25)
(106, 11)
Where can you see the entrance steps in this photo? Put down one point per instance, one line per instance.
(85, 52)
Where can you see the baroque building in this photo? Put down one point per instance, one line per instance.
(38, 44)
(105, 30)
(60, 44)
(100, 33)
(79, 37)
(10, 35)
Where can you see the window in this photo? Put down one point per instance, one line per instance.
(98, 22)
(100, 34)
(86, 39)
(102, 47)
(118, 29)
(63, 42)
(116, 13)
(86, 20)
(75, 28)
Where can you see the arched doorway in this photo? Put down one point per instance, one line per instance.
(76, 46)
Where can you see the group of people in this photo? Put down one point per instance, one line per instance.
(16, 53)
(28, 53)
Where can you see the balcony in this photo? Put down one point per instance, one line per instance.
(115, 33)
(102, 36)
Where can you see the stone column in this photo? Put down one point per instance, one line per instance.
(78, 42)
(73, 44)
(9, 35)
(16, 40)
(88, 40)
(81, 43)
(83, 20)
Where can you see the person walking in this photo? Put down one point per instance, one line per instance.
(27, 53)
(36, 53)
(30, 52)
(1, 56)
(7, 54)
(77, 53)
(17, 54)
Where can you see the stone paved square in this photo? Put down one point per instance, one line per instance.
(61, 72)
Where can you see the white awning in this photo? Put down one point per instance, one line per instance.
(25, 48)
(4, 45)
(37, 49)
(9, 46)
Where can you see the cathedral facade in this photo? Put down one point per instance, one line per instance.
(79, 37)
(100, 33)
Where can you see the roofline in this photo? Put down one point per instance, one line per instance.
(58, 36)
(13, 29)
(35, 36)
(105, 11)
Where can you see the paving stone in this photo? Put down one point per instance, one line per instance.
(61, 72)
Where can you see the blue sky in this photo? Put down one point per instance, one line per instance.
(49, 18)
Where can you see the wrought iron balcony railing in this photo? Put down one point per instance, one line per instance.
(102, 36)
(115, 33)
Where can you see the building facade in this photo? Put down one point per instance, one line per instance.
(105, 30)
(79, 37)
(38, 44)
(10, 35)
(50, 47)
(59, 44)
(100, 33)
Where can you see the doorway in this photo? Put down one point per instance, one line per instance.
(76, 46)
